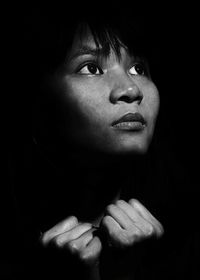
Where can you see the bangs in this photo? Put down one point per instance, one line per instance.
(109, 33)
(54, 31)
(104, 37)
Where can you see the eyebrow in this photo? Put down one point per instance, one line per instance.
(86, 50)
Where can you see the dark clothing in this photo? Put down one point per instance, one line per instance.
(40, 196)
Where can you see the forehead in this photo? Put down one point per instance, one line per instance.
(86, 44)
(82, 41)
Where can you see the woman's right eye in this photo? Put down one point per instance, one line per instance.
(90, 69)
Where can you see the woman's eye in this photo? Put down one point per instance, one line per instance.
(90, 69)
(138, 69)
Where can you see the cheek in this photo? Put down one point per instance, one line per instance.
(152, 102)
(86, 98)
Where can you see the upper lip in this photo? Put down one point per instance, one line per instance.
(130, 117)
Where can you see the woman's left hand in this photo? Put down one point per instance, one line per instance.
(128, 223)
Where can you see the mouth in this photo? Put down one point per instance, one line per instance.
(130, 122)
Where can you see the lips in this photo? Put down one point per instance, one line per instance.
(130, 121)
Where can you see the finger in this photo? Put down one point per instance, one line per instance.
(90, 254)
(120, 216)
(111, 225)
(147, 215)
(139, 220)
(82, 241)
(117, 235)
(61, 227)
(61, 239)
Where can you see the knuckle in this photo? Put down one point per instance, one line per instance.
(109, 228)
(73, 247)
(120, 202)
(89, 256)
(110, 208)
(150, 230)
(107, 224)
(134, 235)
(160, 230)
(126, 239)
(134, 231)
(133, 201)
(44, 239)
(48, 236)
(73, 219)
(115, 232)
(85, 256)
(88, 225)
(131, 234)
(105, 220)
(58, 242)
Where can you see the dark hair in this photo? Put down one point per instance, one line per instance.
(50, 31)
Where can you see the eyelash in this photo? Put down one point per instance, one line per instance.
(95, 64)
(142, 64)
(89, 63)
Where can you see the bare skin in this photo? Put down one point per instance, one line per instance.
(125, 224)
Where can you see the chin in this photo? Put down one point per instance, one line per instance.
(133, 149)
(128, 148)
(129, 143)
(137, 145)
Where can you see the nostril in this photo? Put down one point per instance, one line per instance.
(125, 98)
(132, 94)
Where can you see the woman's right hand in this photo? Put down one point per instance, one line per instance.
(75, 237)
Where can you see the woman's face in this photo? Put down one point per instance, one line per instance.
(111, 103)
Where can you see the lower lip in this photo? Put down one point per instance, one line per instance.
(130, 126)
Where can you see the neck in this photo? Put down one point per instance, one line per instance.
(98, 179)
(106, 172)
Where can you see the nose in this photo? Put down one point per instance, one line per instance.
(125, 90)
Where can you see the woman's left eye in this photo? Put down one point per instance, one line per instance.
(90, 69)
(138, 69)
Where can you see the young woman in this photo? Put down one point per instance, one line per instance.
(98, 201)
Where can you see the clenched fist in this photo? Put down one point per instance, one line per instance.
(128, 223)
(75, 237)
(124, 224)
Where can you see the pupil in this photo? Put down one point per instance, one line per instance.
(92, 68)
(140, 69)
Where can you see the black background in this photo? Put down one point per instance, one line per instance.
(179, 82)
(176, 29)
